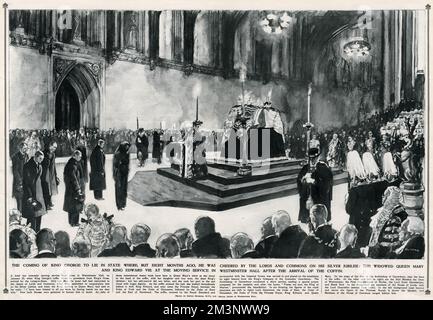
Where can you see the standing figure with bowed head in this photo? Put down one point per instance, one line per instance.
(18, 161)
(33, 197)
(156, 147)
(97, 170)
(74, 188)
(81, 144)
(49, 174)
(142, 144)
(120, 174)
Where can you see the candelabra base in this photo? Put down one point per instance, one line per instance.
(244, 170)
(413, 198)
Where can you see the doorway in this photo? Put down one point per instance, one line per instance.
(67, 108)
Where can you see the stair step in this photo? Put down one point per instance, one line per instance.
(229, 177)
(233, 166)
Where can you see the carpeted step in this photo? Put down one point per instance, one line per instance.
(233, 166)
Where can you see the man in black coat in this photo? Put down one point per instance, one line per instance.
(186, 240)
(242, 247)
(156, 147)
(19, 244)
(46, 243)
(97, 170)
(49, 174)
(74, 188)
(322, 242)
(142, 144)
(412, 238)
(119, 246)
(120, 174)
(265, 245)
(316, 180)
(33, 197)
(140, 233)
(362, 203)
(209, 244)
(347, 239)
(290, 236)
(18, 161)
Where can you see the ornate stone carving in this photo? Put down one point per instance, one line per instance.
(95, 69)
(60, 68)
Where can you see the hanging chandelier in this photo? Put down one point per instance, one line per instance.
(275, 23)
(358, 47)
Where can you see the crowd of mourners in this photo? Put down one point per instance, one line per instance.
(99, 235)
(67, 140)
(387, 232)
(367, 128)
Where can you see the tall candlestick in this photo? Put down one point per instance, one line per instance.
(243, 99)
(196, 110)
(309, 102)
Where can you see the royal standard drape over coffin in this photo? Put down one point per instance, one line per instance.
(265, 133)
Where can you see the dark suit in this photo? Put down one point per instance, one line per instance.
(253, 254)
(414, 249)
(288, 243)
(120, 174)
(322, 244)
(143, 250)
(362, 203)
(186, 253)
(264, 247)
(211, 245)
(18, 161)
(142, 144)
(46, 255)
(32, 186)
(74, 188)
(49, 177)
(350, 253)
(97, 172)
(321, 190)
(14, 255)
(121, 250)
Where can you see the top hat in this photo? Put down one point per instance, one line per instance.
(313, 153)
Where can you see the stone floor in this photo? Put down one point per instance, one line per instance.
(167, 219)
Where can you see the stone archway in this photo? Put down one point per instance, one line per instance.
(77, 94)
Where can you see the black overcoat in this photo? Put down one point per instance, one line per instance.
(321, 190)
(97, 169)
(32, 187)
(18, 161)
(74, 185)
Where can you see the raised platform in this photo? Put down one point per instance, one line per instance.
(223, 189)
